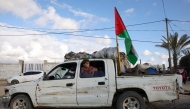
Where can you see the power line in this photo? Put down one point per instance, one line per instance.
(35, 29)
(146, 41)
(89, 37)
(180, 20)
(149, 30)
(147, 23)
(114, 30)
(171, 27)
(180, 28)
(81, 30)
(164, 9)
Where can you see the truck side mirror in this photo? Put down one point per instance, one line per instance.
(44, 76)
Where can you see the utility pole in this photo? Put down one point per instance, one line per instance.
(169, 60)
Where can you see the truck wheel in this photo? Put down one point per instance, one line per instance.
(14, 82)
(21, 102)
(130, 100)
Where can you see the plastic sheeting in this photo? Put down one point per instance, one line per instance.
(80, 55)
(110, 52)
(70, 55)
(151, 71)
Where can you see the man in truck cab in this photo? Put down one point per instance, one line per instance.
(71, 71)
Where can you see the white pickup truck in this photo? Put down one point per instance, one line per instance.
(61, 89)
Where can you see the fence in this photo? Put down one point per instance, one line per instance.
(7, 69)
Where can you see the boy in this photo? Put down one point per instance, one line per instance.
(87, 70)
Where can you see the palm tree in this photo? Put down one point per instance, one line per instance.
(176, 46)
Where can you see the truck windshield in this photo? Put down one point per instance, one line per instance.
(62, 71)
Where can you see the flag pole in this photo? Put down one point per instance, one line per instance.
(118, 60)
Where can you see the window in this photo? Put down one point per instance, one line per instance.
(63, 71)
(28, 73)
(31, 73)
(99, 65)
(35, 73)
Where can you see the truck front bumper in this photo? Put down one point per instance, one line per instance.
(5, 100)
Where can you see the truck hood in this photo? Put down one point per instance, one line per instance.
(22, 86)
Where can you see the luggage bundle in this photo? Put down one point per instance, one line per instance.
(73, 56)
(108, 53)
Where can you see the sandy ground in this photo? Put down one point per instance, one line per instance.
(182, 103)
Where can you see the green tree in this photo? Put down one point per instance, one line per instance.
(185, 60)
(176, 46)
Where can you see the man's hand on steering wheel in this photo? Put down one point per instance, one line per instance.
(57, 75)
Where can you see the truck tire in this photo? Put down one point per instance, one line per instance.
(21, 102)
(130, 100)
(14, 82)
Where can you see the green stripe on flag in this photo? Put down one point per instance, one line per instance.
(124, 34)
(127, 41)
(130, 51)
(132, 56)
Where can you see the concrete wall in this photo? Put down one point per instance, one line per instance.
(7, 70)
(49, 65)
(33, 66)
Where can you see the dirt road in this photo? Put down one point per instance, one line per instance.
(182, 103)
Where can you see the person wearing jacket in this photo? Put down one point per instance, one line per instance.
(184, 76)
(87, 70)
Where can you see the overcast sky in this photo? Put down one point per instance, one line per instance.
(37, 21)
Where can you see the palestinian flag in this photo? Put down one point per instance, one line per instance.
(121, 31)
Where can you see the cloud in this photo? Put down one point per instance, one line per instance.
(157, 53)
(89, 19)
(155, 58)
(154, 4)
(152, 59)
(147, 53)
(8, 50)
(21, 8)
(30, 48)
(130, 12)
(51, 17)
(36, 48)
(105, 41)
(148, 13)
(87, 44)
(161, 55)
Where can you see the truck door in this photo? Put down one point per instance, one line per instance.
(60, 88)
(93, 91)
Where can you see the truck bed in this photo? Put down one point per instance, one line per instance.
(157, 87)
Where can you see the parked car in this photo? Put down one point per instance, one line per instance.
(27, 76)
